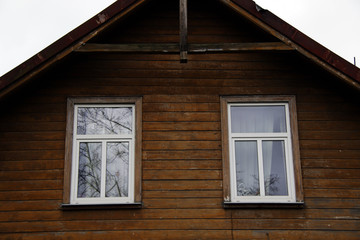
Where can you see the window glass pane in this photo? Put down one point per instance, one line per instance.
(247, 169)
(258, 119)
(89, 179)
(117, 169)
(104, 120)
(274, 168)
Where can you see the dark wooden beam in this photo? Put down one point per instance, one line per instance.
(141, 47)
(238, 47)
(192, 48)
(183, 31)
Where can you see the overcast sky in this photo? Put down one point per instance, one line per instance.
(333, 23)
(28, 26)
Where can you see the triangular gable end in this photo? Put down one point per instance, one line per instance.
(267, 21)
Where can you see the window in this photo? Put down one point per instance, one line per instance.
(260, 150)
(103, 158)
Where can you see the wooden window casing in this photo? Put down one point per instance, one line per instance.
(135, 190)
(236, 201)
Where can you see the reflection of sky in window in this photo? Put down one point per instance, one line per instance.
(257, 119)
(104, 120)
(89, 178)
(117, 169)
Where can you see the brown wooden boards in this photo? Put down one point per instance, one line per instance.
(182, 171)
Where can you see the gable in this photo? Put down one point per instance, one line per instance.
(274, 26)
(159, 23)
(214, 24)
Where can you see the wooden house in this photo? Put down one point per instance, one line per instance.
(206, 119)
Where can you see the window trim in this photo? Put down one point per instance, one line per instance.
(225, 101)
(137, 143)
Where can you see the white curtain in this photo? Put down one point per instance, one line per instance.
(274, 168)
(247, 169)
(259, 119)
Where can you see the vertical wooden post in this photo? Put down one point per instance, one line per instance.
(183, 31)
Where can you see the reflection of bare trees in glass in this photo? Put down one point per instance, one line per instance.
(242, 190)
(117, 169)
(104, 120)
(270, 186)
(89, 183)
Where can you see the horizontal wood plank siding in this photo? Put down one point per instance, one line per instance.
(182, 156)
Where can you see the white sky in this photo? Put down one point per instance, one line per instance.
(27, 27)
(333, 23)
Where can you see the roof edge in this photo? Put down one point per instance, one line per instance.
(299, 38)
(247, 8)
(57, 50)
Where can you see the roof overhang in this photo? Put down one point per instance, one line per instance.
(264, 19)
(65, 45)
(311, 49)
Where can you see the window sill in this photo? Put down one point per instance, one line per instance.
(101, 206)
(295, 205)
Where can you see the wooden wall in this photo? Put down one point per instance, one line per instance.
(182, 169)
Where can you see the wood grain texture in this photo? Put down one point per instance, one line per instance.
(184, 47)
(183, 30)
(181, 164)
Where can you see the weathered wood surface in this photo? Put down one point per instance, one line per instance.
(196, 234)
(182, 168)
(184, 48)
(183, 30)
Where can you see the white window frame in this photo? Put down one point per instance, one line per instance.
(72, 143)
(291, 145)
(103, 139)
(259, 137)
